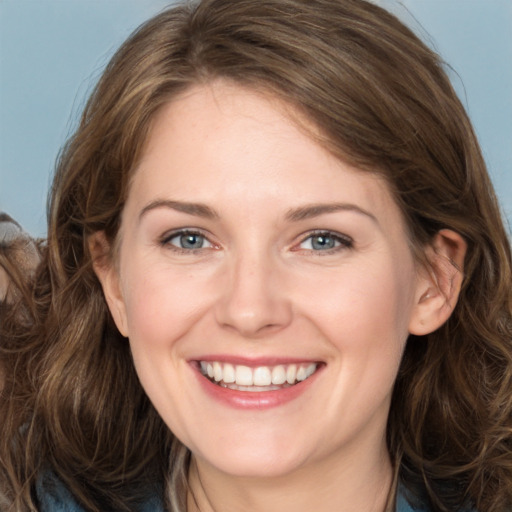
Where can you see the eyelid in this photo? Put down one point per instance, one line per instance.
(345, 241)
(165, 239)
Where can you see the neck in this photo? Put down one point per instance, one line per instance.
(341, 483)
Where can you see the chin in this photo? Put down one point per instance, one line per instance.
(254, 461)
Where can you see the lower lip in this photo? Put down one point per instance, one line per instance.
(255, 399)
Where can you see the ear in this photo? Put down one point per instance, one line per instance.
(108, 276)
(439, 285)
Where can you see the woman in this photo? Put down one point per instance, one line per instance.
(276, 277)
(19, 256)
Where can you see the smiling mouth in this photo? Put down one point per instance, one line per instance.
(260, 378)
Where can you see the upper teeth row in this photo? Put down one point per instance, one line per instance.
(259, 376)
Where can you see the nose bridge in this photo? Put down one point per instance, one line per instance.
(254, 300)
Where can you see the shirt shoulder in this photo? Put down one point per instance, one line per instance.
(53, 496)
(403, 504)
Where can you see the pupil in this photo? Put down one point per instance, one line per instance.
(322, 242)
(191, 241)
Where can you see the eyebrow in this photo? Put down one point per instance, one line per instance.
(292, 215)
(315, 210)
(197, 209)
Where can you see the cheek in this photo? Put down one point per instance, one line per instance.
(160, 311)
(364, 318)
(363, 312)
(145, 307)
(160, 303)
(367, 304)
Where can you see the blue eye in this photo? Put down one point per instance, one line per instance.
(188, 240)
(325, 241)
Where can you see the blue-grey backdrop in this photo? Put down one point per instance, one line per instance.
(52, 52)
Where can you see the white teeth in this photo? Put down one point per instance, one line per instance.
(229, 373)
(310, 370)
(291, 373)
(278, 375)
(243, 376)
(301, 374)
(261, 378)
(217, 371)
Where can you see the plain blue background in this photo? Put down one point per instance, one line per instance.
(53, 51)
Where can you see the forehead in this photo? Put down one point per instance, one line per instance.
(222, 140)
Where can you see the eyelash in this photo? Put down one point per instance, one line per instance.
(342, 242)
(165, 241)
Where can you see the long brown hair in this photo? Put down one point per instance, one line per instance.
(382, 102)
(19, 256)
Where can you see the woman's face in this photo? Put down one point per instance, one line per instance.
(266, 287)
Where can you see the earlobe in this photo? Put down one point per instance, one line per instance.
(438, 285)
(108, 277)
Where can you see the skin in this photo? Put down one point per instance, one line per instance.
(258, 288)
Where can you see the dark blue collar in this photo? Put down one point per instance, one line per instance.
(53, 496)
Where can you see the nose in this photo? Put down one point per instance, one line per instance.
(254, 302)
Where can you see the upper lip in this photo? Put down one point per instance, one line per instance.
(254, 362)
